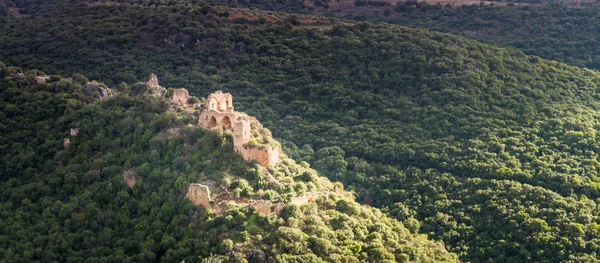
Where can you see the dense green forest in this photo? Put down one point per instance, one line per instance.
(487, 149)
(563, 33)
(554, 30)
(69, 203)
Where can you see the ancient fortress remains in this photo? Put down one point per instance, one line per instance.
(218, 112)
(250, 140)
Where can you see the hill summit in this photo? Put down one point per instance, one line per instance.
(117, 191)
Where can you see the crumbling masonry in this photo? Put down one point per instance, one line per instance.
(218, 112)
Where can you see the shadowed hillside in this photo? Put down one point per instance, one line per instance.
(487, 149)
(84, 178)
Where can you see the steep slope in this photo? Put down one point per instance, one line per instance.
(492, 151)
(63, 196)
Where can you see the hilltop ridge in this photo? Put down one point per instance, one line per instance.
(488, 149)
(117, 191)
(251, 141)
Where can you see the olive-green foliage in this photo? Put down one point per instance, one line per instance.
(277, 5)
(170, 92)
(69, 203)
(560, 32)
(474, 145)
(214, 259)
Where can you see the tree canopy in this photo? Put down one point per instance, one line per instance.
(492, 151)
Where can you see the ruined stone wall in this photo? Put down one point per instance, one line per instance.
(262, 206)
(241, 133)
(42, 79)
(180, 96)
(219, 113)
(153, 82)
(220, 102)
(264, 155)
(204, 120)
(199, 194)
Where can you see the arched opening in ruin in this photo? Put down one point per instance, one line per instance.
(226, 123)
(212, 122)
(226, 104)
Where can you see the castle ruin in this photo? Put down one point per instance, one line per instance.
(153, 82)
(218, 112)
(199, 194)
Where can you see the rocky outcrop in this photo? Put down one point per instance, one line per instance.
(306, 198)
(199, 194)
(180, 97)
(153, 82)
(42, 79)
(149, 88)
(256, 255)
(96, 91)
(130, 178)
(155, 88)
(262, 206)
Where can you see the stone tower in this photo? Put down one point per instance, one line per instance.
(241, 133)
(153, 82)
(219, 112)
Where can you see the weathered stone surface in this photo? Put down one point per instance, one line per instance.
(219, 113)
(220, 102)
(153, 88)
(97, 91)
(256, 255)
(262, 206)
(130, 178)
(180, 96)
(160, 92)
(264, 155)
(153, 82)
(306, 198)
(66, 142)
(74, 131)
(199, 194)
(42, 79)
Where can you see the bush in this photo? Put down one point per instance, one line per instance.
(191, 100)
(251, 143)
(55, 78)
(79, 79)
(169, 93)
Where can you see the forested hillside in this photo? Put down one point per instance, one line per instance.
(558, 32)
(566, 31)
(492, 151)
(67, 201)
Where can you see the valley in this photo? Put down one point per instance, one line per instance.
(454, 150)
